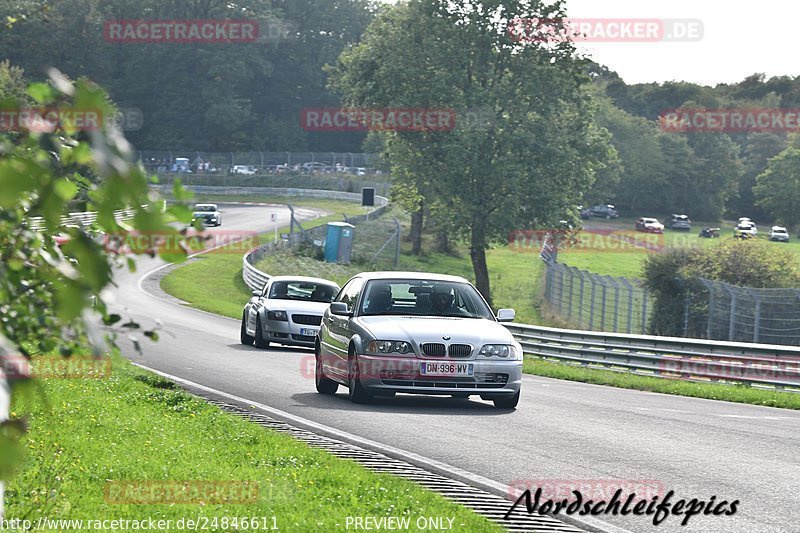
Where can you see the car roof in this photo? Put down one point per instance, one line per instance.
(781, 228)
(421, 276)
(303, 279)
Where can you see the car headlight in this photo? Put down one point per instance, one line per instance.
(507, 351)
(388, 347)
(277, 315)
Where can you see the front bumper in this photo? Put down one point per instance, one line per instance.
(289, 333)
(402, 374)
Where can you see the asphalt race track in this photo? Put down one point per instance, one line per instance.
(562, 432)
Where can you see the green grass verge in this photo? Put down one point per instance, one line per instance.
(135, 426)
(678, 387)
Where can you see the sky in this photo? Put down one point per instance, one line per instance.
(738, 39)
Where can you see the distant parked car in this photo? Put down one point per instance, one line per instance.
(680, 222)
(209, 214)
(244, 169)
(604, 211)
(745, 229)
(779, 233)
(314, 167)
(649, 225)
(584, 212)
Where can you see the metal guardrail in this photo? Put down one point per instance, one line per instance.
(274, 191)
(760, 365)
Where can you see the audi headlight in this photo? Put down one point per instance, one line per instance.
(506, 351)
(277, 315)
(388, 347)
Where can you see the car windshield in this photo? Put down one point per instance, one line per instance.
(303, 291)
(423, 298)
(205, 208)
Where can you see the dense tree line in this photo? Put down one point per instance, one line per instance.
(198, 96)
(706, 175)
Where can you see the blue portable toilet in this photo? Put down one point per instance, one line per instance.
(339, 242)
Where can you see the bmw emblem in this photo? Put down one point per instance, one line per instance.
(446, 337)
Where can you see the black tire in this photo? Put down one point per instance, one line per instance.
(608, 217)
(323, 383)
(507, 403)
(260, 342)
(245, 339)
(355, 390)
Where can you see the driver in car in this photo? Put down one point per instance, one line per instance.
(442, 302)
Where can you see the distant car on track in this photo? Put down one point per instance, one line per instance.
(209, 214)
(288, 310)
(418, 333)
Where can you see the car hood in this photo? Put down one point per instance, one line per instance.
(296, 306)
(475, 331)
(206, 214)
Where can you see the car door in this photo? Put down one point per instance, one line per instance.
(256, 303)
(336, 333)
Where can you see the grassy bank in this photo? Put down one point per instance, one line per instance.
(711, 391)
(88, 437)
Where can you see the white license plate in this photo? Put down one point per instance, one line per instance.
(311, 332)
(446, 369)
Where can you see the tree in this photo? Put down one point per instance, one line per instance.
(528, 163)
(45, 289)
(777, 189)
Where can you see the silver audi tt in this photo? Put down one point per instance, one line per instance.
(389, 332)
(288, 310)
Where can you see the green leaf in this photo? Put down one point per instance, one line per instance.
(69, 300)
(42, 92)
(65, 189)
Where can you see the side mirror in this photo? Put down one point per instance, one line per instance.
(506, 315)
(256, 293)
(340, 309)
